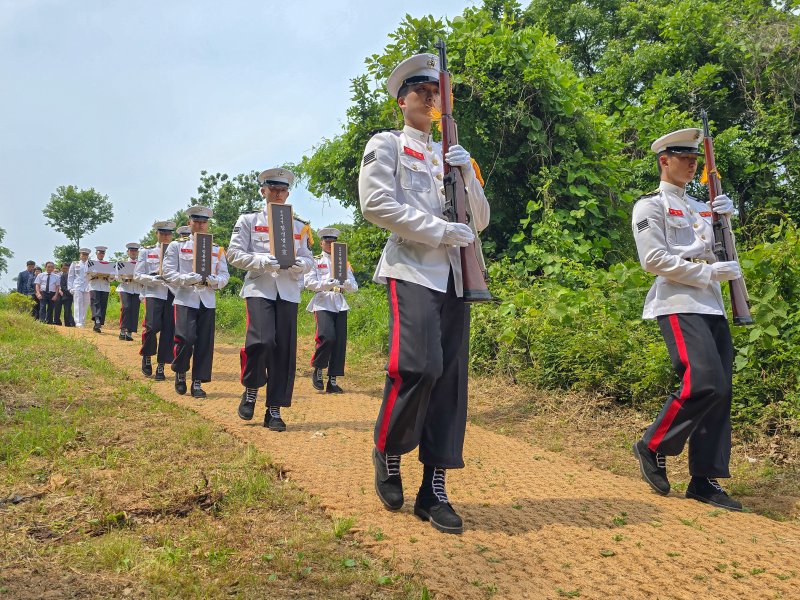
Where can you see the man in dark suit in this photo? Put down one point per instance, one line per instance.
(64, 300)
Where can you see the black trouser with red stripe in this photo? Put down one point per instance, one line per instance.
(699, 410)
(331, 341)
(99, 303)
(159, 318)
(129, 311)
(194, 334)
(270, 348)
(425, 395)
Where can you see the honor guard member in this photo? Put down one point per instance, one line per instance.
(425, 395)
(272, 294)
(195, 304)
(64, 298)
(99, 287)
(183, 232)
(159, 319)
(47, 286)
(675, 239)
(129, 291)
(330, 314)
(78, 284)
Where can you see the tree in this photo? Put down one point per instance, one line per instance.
(76, 212)
(5, 253)
(66, 253)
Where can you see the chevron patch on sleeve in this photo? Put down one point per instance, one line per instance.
(642, 225)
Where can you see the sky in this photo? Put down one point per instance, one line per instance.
(134, 99)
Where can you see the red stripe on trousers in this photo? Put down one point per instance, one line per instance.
(316, 337)
(686, 387)
(394, 368)
(175, 338)
(243, 352)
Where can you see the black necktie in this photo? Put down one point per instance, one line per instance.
(47, 283)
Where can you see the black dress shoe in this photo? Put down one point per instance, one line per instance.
(332, 388)
(441, 515)
(653, 467)
(159, 372)
(180, 383)
(147, 366)
(247, 406)
(197, 391)
(316, 379)
(128, 336)
(122, 334)
(274, 422)
(96, 327)
(710, 491)
(57, 323)
(388, 483)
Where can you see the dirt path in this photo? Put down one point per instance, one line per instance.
(537, 525)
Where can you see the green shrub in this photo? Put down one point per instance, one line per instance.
(18, 302)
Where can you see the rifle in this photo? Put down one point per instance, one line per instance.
(724, 247)
(455, 192)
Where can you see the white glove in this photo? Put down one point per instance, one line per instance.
(267, 262)
(191, 278)
(213, 281)
(725, 271)
(722, 205)
(329, 284)
(457, 157)
(299, 266)
(348, 286)
(457, 234)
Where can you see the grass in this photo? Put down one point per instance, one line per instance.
(121, 493)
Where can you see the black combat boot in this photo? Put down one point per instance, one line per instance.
(433, 505)
(388, 483)
(180, 383)
(710, 491)
(147, 366)
(332, 388)
(197, 391)
(159, 372)
(316, 379)
(272, 419)
(128, 336)
(653, 467)
(248, 404)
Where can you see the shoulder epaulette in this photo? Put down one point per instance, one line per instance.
(382, 130)
(303, 221)
(655, 192)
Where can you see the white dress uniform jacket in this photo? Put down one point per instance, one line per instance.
(250, 243)
(77, 281)
(146, 273)
(179, 262)
(99, 284)
(315, 281)
(670, 227)
(129, 287)
(400, 188)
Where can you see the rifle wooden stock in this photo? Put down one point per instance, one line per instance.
(472, 276)
(724, 246)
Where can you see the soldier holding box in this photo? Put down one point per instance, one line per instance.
(159, 319)
(330, 314)
(99, 288)
(272, 295)
(195, 303)
(128, 290)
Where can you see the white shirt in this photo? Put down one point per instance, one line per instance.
(250, 243)
(41, 280)
(129, 287)
(77, 280)
(146, 273)
(669, 227)
(315, 279)
(179, 261)
(400, 189)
